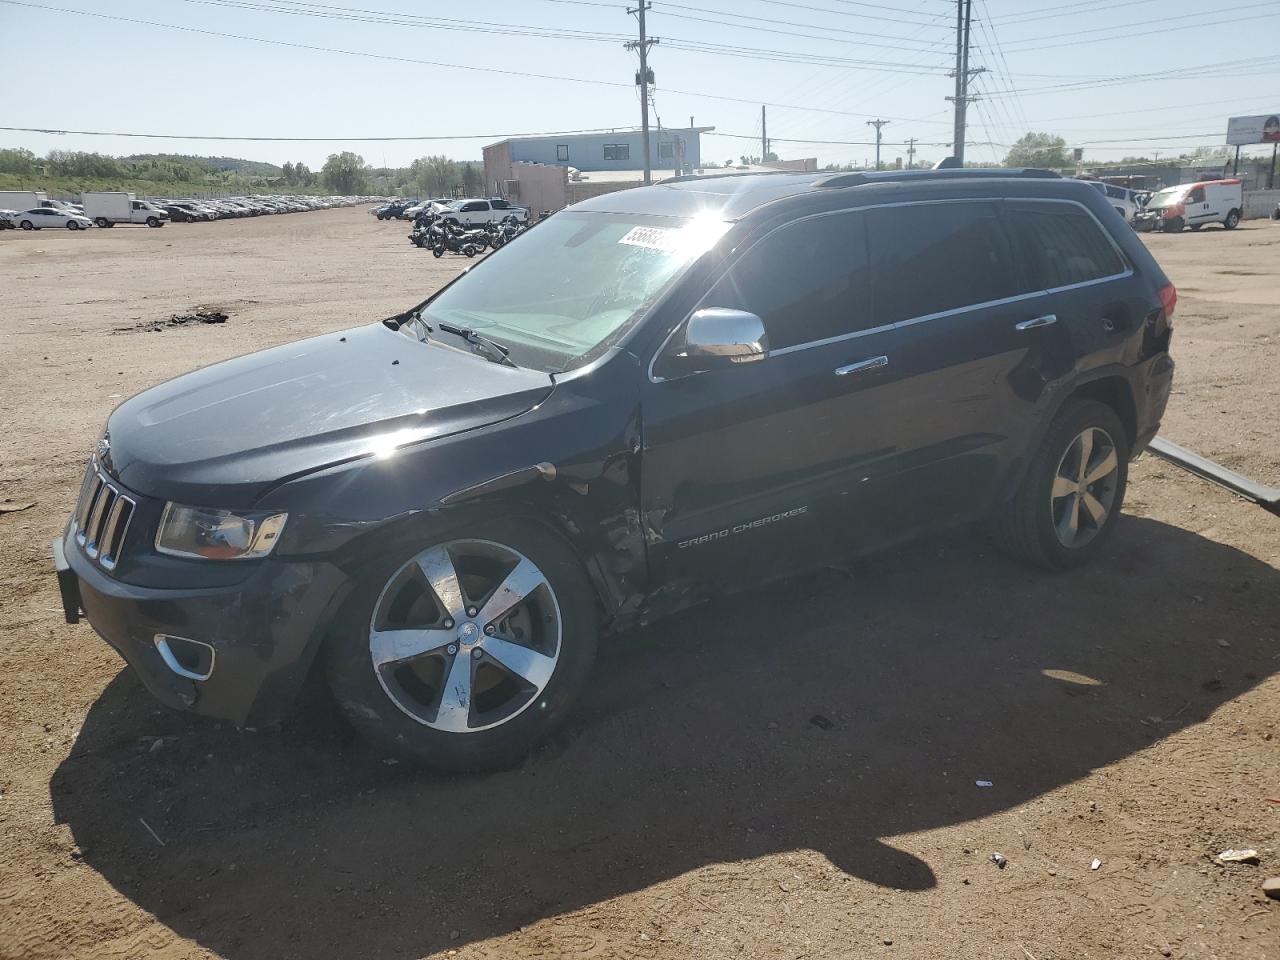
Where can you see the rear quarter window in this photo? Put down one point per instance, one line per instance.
(1061, 244)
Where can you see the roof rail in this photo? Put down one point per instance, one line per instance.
(685, 178)
(889, 176)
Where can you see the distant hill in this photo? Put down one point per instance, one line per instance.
(213, 164)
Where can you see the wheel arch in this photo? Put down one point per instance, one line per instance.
(1109, 386)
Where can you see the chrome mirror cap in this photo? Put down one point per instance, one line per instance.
(720, 335)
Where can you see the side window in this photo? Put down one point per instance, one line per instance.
(1060, 244)
(136, 205)
(933, 257)
(807, 281)
(500, 204)
(1196, 195)
(562, 151)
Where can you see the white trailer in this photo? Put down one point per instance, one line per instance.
(108, 208)
(22, 199)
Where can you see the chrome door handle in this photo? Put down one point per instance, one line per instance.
(872, 364)
(1046, 321)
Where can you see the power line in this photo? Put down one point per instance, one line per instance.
(185, 136)
(897, 45)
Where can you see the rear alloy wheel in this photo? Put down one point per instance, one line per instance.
(72, 225)
(28, 225)
(1072, 492)
(1233, 220)
(470, 651)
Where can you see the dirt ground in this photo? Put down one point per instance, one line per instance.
(1128, 712)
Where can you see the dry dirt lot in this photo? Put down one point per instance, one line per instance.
(1128, 712)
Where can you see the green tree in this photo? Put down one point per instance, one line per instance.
(302, 174)
(472, 179)
(345, 173)
(1038, 150)
(287, 172)
(434, 176)
(17, 160)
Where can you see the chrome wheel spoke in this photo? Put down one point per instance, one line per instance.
(1069, 524)
(454, 710)
(1085, 441)
(515, 587)
(394, 646)
(437, 566)
(1063, 486)
(1097, 511)
(1103, 468)
(531, 666)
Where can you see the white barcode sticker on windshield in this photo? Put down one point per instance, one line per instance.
(652, 238)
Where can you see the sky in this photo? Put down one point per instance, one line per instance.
(1115, 77)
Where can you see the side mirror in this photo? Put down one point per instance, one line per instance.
(718, 337)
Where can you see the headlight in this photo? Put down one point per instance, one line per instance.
(210, 534)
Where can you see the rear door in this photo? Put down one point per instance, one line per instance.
(944, 273)
(1197, 206)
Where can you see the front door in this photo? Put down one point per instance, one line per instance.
(754, 468)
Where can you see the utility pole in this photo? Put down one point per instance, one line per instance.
(764, 136)
(964, 17)
(911, 153)
(642, 79)
(877, 124)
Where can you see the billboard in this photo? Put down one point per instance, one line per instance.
(1242, 131)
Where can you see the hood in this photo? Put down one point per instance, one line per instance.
(224, 435)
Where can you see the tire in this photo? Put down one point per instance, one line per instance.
(1232, 221)
(102, 221)
(152, 222)
(1173, 225)
(400, 707)
(437, 251)
(72, 225)
(1031, 525)
(27, 225)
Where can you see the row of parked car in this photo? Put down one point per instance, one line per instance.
(472, 211)
(34, 210)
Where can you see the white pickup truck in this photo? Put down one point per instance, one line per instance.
(475, 212)
(108, 208)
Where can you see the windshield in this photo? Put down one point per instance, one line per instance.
(562, 293)
(1165, 198)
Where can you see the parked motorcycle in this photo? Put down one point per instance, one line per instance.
(449, 235)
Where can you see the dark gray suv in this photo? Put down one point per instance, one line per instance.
(658, 396)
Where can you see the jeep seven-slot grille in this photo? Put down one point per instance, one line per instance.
(102, 518)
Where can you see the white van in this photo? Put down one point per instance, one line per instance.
(1193, 205)
(108, 208)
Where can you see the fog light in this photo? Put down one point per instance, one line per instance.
(187, 658)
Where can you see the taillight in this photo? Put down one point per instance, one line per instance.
(1168, 300)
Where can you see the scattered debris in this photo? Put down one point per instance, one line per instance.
(772, 725)
(1272, 799)
(8, 506)
(1166, 950)
(1211, 685)
(821, 722)
(201, 315)
(1239, 856)
(454, 934)
(1224, 643)
(983, 783)
(1000, 860)
(887, 941)
(1271, 887)
(156, 744)
(1096, 864)
(154, 835)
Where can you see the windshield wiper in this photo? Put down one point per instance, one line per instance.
(497, 352)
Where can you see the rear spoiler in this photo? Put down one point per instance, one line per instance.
(1266, 497)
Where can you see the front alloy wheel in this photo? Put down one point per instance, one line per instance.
(466, 635)
(464, 649)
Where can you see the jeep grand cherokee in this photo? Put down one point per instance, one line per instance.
(659, 395)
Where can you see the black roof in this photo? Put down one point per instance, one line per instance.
(732, 196)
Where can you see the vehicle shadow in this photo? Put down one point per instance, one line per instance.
(826, 712)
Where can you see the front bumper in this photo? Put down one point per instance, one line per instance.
(264, 630)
